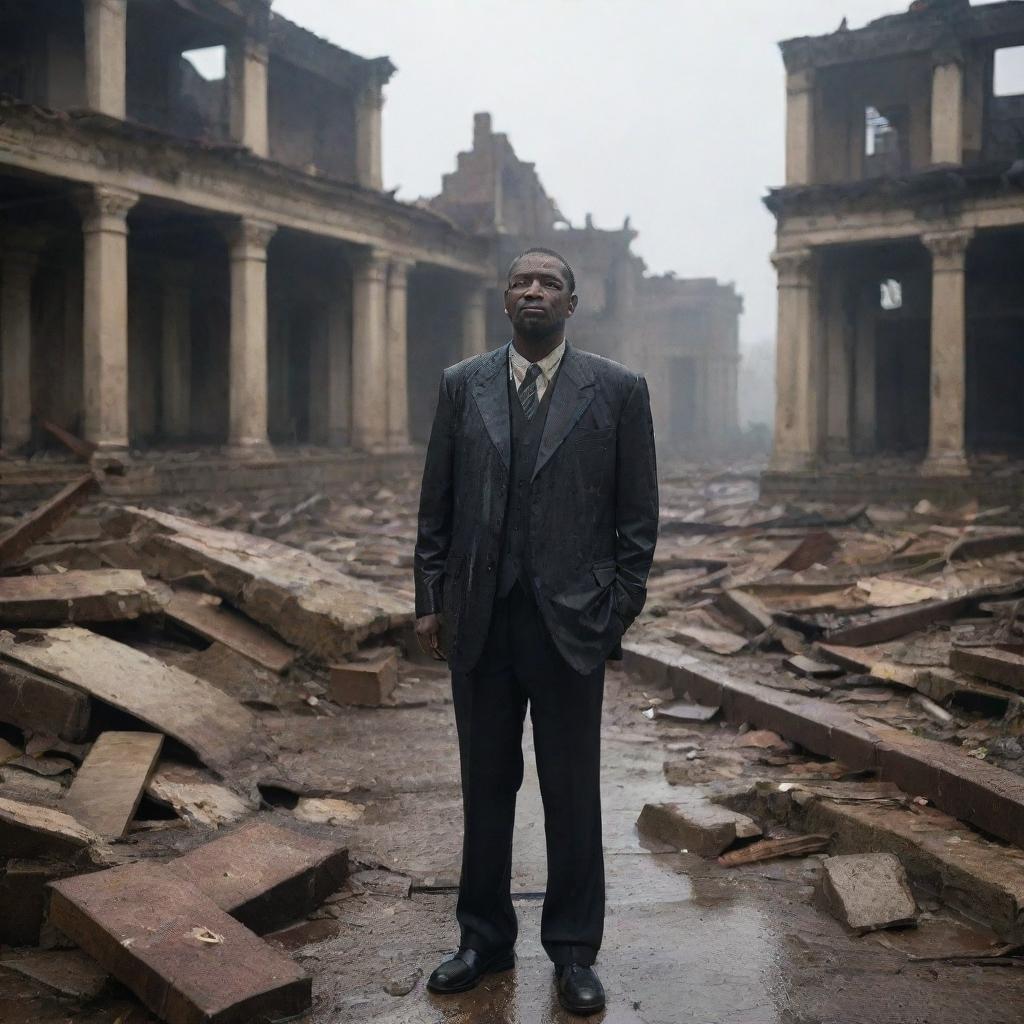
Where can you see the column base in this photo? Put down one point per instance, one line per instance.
(946, 464)
(793, 462)
(248, 449)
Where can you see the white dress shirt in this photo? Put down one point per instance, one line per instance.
(519, 364)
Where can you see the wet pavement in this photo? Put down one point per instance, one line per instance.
(686, 941)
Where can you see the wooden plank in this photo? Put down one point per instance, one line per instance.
(20, 537)
(92, 595)
(264, 875)
(991, 664)
(27, 830)
(36, 704)
(108, 787)
(815, 548)
(170, 944)
(211, 724)
(305, 600)
(771, 849)
(987, 545)
(196, 611)
(76, 445)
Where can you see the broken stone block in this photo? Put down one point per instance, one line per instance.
(368, 683)
(305, 600)
(68, 972)
(698, 826)
(23, 897)
(184, 958)
(212, 725)
(90, 595)
(868, 891)
(27, 830)
(36, 704)
(108, 787)
(264, 875)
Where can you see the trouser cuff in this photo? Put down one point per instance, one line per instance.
(562, 955)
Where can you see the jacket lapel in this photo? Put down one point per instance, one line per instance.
(490, 392)
(574, 391)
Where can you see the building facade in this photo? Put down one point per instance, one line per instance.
(900, 237)
(190, 259)
(684, 334)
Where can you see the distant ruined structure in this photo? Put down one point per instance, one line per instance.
(900, 242)
(684, 334)
(204, 263)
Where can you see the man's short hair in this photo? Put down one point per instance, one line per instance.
(570, 277)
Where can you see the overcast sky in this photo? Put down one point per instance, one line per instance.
(671, 111)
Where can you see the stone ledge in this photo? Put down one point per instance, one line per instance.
(988, 798)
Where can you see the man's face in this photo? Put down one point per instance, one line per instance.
(538, 299)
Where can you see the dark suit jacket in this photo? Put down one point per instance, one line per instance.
(594, 505)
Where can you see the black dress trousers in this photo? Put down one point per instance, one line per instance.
(521, 667)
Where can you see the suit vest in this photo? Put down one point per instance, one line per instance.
(526, 437)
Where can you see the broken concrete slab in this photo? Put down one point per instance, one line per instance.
(683, 711)
(185, 958)
(991, 664)
(36, 704)
(696, 825)
(68, 972)
(27, 830)
(108, 787)
(365, 683)
(209, 723)
(305, 600)
(88, 595)
(196, 796)
(206, 617)
(868, 892)
(264, 875)
(810, 669)
(27, 530)
(746, 609)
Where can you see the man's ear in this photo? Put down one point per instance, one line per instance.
(573, 303)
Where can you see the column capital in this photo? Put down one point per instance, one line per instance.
(948, 248)
(794, 267)
(801, 81)
(372, 263)
(105, 207)
(249, 237)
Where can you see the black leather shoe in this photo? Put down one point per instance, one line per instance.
(466, 969)
(579, 989)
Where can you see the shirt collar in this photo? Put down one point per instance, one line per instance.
(519, 364)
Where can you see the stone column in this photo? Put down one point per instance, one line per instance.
(106, 56)
(948, 112)
(398, 354)
(18, 267)
(176, 351)
(838, 356)
(474, 319)
(800, 127)
(248, 240)
(946, 448)
(865, 422)
(105, 315)
(370, 352)
(797, 364)
(339, 372)
(369, 110)
(247, 96)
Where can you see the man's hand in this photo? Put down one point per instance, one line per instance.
(428, 633)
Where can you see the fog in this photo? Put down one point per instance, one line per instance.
(671, 111)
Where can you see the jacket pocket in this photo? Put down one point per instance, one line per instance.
(604, 572)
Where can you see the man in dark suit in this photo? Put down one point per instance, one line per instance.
(537, 525)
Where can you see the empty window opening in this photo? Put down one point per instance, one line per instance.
(1008, 72)
(892, 295)
(210, 62)
(881, 137)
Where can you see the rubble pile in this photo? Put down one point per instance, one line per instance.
(139, 652)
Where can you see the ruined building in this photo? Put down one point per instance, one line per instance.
(683, 333)
(900, 243)
(192, 259)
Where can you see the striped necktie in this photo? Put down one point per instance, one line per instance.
(528, 391)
